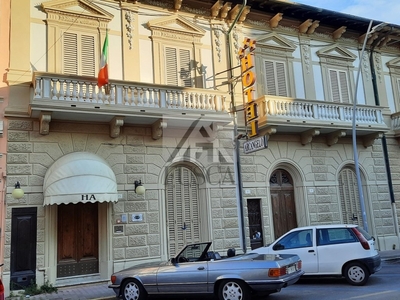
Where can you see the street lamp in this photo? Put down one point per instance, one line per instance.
(354, 137)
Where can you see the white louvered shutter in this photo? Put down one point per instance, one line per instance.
(178, 71)
(70, 55)
(349, 197)
(182, 209)
(275, 77)
(339, 86)
(79, 54)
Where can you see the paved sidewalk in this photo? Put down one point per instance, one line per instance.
(100, 291)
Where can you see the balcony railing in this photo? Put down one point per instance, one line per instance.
(278, 110)
(61, 88)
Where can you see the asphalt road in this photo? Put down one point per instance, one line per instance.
(384, 285)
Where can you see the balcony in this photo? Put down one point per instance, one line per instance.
(77, 98)
(312, 118)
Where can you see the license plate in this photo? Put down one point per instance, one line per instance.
(290, 269)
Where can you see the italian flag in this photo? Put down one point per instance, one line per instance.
(103, 73)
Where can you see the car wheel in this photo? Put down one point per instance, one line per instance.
(133, 290)
(233, 290)
(356, 274)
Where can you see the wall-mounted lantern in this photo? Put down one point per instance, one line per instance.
(17, 193)
(139, 188)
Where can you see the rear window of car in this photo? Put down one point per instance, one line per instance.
(367, 236)
(331, 236)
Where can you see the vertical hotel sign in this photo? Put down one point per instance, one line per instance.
(246, 55)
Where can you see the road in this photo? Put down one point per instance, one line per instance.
(382, 285)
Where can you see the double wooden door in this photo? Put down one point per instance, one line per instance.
(78, 244)
(282, 200)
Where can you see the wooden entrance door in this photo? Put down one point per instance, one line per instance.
(282, 201)
(23, 247)
(78, 244)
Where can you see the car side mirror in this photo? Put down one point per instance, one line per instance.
(278, 247)
(173, 260)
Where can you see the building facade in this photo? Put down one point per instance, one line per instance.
(172, 120)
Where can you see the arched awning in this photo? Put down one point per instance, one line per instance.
(79, 177)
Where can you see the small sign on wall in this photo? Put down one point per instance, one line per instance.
(137, 217)
(118, 229)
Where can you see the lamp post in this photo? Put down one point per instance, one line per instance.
(354, 136)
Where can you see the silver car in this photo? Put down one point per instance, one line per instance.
(196, 270)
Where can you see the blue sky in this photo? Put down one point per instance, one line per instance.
(380, 10)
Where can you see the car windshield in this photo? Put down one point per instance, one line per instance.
(367, 236)
(194, 252)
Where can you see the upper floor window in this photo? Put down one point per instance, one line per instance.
(394, 67)
(79, 55)
(339, 86)
(337, 68)
(178, 69)
(274, 62)
(177, 51)
(275, 78)
(73, 36)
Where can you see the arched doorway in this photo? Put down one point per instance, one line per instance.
(282, 202)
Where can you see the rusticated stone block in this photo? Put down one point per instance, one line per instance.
(19, 169)
(137, 252)
(20, 148)
(18, 136)
(20, 125)
(137, 240)
(14, 158)
(118, 253)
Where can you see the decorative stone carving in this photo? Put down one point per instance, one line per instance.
(157, 129)
(307, 136)
(115, 126)
(44, 123)
(129, 27)
(369, 139)
(333, 137)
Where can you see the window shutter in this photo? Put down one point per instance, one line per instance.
(182, 209)
(88, 55)
(184, 66)
(281, 79)
(171, 62)
(349, 198)
(70, 57)
(177, 62)
(275, 77)
(344, 88)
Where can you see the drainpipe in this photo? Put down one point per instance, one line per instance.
(236, 153)
(384, 144)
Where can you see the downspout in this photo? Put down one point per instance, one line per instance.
(236, 153)
(384, 143)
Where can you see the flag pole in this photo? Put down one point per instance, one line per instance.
(102, 79)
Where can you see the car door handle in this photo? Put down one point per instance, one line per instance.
(311, 251)
(200, 268)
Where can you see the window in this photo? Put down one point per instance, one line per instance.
(79, 54)
(348, 191)
(296, 239)
(337, 68)
(275, 78)
(178, 67)
(335, 236)
(339, 86)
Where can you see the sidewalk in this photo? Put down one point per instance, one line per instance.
(100, 291)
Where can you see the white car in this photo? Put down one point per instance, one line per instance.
(339, 250)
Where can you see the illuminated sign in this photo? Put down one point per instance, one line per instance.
(246, 55)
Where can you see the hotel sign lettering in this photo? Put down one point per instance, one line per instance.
(246, 55)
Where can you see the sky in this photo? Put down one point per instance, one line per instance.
(380, 10)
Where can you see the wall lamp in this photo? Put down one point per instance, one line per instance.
(139, 188)
(17, 193)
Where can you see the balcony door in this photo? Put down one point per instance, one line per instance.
(282, 201)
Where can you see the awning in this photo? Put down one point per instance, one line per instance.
(79, 177)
